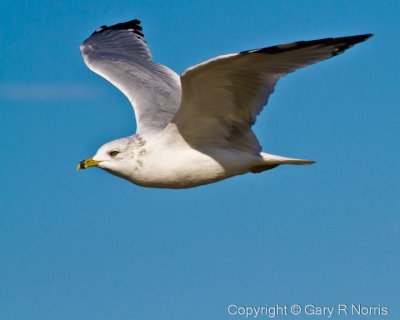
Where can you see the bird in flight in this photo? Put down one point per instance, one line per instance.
(197, 128)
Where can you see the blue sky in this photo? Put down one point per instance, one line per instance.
(86, 245)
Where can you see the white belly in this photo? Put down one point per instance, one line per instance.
(185, 167)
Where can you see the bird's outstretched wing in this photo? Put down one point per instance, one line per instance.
(222, 97)
(120, 54)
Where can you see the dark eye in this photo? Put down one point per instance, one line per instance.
(113, 153)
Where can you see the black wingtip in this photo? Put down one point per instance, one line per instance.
(344, 43)
(341, 44)
(353, 39)
(133, 25)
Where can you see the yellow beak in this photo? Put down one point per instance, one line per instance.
(87, 164)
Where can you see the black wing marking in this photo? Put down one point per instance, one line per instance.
(338, 45)
(133, 25)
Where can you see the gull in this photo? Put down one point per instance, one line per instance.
(194, 129)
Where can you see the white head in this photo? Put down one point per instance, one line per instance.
(115, 157)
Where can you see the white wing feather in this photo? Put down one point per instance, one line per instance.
(120, 54)
(222, 97)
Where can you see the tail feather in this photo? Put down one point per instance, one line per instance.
(274, 159)
(271, 161)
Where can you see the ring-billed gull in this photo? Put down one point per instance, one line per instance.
(194, 129)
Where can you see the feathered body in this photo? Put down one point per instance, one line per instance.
(194, 129)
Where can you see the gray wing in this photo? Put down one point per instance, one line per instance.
(120, 54)
(222, 97)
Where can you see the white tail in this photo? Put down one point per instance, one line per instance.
(277, 160)
(271, 161)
